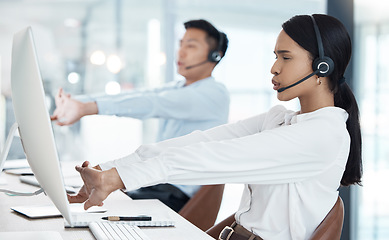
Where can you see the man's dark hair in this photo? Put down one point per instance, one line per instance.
(213, 35)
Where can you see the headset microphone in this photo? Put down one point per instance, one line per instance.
(298, 82)
(195, 65)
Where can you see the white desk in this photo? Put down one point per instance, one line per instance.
(117, 204)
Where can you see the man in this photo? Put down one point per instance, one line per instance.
(196, 103)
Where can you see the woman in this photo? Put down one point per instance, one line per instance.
(291, 162)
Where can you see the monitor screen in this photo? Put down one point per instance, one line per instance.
(33, 120)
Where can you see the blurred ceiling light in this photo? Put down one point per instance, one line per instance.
(71, 22)
(112, 88)
(114, 64)
(97, 57)
(73, 77)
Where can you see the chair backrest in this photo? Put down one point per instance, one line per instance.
(216, 229)
(203, 207)
(331, 226)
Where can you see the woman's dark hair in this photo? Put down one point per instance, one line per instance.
(337, 45)
(217, 40)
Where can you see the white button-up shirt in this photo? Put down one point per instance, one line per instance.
(291, 164)
(180, 109)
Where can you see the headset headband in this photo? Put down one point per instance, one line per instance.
(318, 38)
(324, 64)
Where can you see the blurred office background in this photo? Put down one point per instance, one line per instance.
(111, 46)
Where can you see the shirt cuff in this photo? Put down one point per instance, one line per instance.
(124, 160)
(106, 107)
(141, 173)
(136, 173)
(84, 98)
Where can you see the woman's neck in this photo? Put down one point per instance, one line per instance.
(316, 101)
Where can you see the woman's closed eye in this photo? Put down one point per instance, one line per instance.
(283, 57)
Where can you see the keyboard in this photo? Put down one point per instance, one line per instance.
(83, 220)
(34, 182)
(108, 230)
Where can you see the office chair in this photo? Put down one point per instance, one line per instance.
(203, 207)
(329, 229)
(216, 229)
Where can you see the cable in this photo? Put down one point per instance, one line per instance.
(12, 193)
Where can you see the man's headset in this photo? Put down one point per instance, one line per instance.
(214, 55)
(322, 66)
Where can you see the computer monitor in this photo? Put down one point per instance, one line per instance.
(32, 117)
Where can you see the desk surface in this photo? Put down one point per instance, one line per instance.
(117, 204)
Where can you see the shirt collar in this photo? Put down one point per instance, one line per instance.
(294, 117)
(198, 82)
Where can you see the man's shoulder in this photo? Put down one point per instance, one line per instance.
(205, 86)
(210, 83)
(174, 84)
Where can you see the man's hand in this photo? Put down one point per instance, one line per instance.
(69, 110)
(97, 185)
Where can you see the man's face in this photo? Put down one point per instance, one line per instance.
(193, 50)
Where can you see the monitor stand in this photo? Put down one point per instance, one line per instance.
(7, 145)
(3, 157)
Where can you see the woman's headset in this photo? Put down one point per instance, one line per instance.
(324, 64)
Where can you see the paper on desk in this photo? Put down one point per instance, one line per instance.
(16, 163)
(42, 235)
(67, 167)
(70, 175)
(44, 211)
(19, 171)
(3, 181)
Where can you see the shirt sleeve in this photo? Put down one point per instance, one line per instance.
(223, 132)
(282, 155)
(145, 153)
(132, 158)
(192, 103)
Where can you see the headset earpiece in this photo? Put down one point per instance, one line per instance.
(214, 55)
(324, 64)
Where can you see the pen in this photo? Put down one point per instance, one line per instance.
(137, 218)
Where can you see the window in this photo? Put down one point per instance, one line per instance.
(373, 85)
